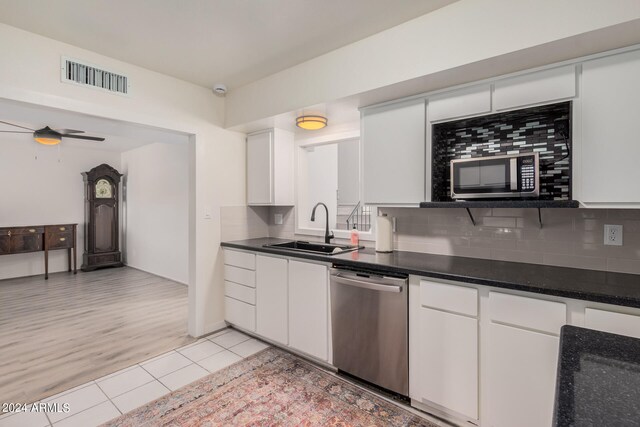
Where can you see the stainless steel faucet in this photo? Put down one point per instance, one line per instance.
(327, 235)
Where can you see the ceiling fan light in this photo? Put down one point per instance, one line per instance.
(311, 122)
(47, 140)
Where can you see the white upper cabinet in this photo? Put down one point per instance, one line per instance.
(610, 143)
(535, 88)
(393, 148)
(465, 102)
(270, 168)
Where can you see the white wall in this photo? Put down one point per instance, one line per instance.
(46, 190)
(156, 211)
(443, 43)
(30, 72)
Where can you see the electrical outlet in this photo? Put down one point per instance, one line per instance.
(277, 219)
(613, 235)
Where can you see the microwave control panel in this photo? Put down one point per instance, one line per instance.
(527, 174)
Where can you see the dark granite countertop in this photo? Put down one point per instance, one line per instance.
(590, 285)
(598, 381)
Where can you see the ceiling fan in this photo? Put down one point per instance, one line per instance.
(48, 136)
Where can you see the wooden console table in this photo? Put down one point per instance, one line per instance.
(37, 238)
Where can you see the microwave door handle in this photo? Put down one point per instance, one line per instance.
(513, 163)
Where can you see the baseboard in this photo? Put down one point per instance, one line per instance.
(156, 274)
(213, 328)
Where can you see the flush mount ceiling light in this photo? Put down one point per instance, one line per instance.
(311, 122)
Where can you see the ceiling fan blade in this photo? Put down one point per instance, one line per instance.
(90, 138)
(14, 131)
(18, 126)
(68, 131)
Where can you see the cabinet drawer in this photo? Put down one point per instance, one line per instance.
(240, 259)
(531, 313)
(615, 323)
(240, 314)
(59, 228)
(26, 230)
(240, 275)
(60, 240)
(240, 292)
(454, 298)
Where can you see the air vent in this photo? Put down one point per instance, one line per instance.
(84, 74)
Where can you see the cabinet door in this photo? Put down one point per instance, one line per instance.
(308, 310)
(535, 88)
(393, 147)
(465, 102)
(521, 377)
(271, 304)
(610, 111)
(260, 169)
(448, 361)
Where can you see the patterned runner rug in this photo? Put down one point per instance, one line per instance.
(270, 388)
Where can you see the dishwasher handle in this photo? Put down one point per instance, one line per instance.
(365, 284)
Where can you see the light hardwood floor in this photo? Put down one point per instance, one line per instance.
(56, 334)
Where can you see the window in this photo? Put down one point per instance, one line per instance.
(329, 172)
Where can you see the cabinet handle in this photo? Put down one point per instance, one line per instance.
(9, 233)
(32, 230)
(62, 239)
(62, 228)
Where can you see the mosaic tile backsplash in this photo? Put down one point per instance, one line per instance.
(545, 130)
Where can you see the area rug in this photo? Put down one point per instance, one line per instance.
(271, 388)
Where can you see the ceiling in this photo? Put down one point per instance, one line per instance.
(120, 136)
(212, 41)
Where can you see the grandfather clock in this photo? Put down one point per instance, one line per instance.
(101, 243)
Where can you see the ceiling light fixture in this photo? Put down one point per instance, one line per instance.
(311, 122)
(47, 136)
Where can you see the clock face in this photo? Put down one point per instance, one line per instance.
(103, 189)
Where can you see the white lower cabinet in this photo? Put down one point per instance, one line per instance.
(271, 308)
(523, 346)
(444, 347)
(240, 313)
(308, 308)
(612, 322)
(521, 377)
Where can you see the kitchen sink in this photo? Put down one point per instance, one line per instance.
(313, 247)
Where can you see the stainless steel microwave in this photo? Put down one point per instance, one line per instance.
(496, 177)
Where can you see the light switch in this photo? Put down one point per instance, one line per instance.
(278, 219)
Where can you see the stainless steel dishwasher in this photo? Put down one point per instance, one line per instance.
(369, 323)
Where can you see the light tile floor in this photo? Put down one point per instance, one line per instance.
(108, 397)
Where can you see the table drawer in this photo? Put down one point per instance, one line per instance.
(240, 259)
(60, 240)
(26, 230)
(240, 275)
(59, 228)
(240, 314)
(240, 292)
